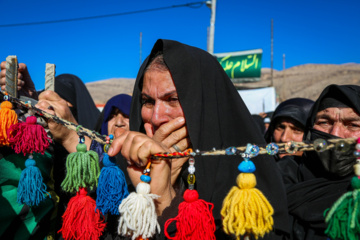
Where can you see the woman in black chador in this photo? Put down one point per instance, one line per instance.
(179, 81)
(315, 183)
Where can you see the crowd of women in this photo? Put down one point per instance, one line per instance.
(183, 99)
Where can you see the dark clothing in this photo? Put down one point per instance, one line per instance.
(259, 122)
(216, 117)
(311, 186)
(121, 102)
(74, 91)
(295, 108)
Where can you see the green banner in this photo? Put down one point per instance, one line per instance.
(242, 66)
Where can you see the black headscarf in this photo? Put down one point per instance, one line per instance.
(122, 102)
(216, 117)
(73, 90)
(295, 108)
(317, 189)
(259, 121)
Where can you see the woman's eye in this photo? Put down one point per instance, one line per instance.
(298, 131)
(322, 122)
(354, 125)
(173, 101)
(147, 102)
(279, 127)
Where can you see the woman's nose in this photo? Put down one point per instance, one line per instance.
(159, 115)
(119, 119)
(337, 130)
(286, 135)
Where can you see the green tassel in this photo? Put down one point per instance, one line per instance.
(82, 169)
(343, 218)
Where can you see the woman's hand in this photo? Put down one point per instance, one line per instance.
(25, 85)
(137, 148)
(169, 134)
(52, 103)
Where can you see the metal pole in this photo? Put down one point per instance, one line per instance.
(140, 46)
(212, 4)
(284, 61)
(272, 50)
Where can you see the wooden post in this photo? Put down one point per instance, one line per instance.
(11, 78)
(50, 77)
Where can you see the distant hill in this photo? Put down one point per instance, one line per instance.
(103, 90)
(305, 81)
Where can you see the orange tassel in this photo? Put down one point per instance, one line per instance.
(8, 117)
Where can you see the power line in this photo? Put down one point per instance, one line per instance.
(192, 5)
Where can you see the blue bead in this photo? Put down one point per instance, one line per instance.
(254, 151)
(272, 149)
(247, 167)
(230, 151)
(356, 154)
(145, 178)
(81, 139)
(111, 136)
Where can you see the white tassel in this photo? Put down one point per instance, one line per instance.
(138, 216)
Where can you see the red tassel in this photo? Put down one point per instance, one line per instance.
(80, 220)
(8, 117)
(194, 220)
(28, 137)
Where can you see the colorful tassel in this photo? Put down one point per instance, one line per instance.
(28, 137)
(194, 220)
(138, 218)
(343, 218)
(31, 189)
(112, 187)
(82, 169)
(8, 117)
(81, 220)
(245, 209)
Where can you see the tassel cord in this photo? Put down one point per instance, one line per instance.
(336, 206)
(138, 214)
(195, 221)
(246, 210)
(8, 117)
(31, 189)
(82, 171)
(355, 213)
(81, 220)
(112, 189)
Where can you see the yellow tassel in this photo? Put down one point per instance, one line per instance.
(246, 210)
(8, 117)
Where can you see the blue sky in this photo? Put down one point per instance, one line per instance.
(316, 31)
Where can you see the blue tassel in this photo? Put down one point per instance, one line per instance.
(112, 187)
(31, 189)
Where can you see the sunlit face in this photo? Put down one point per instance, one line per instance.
(287, 130)
(341, 122)
(159, 98)
(117, 120)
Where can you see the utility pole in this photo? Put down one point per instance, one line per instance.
(140, 46)
(272, 50)
(212, 5)
(284, 61)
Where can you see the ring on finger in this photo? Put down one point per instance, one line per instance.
(176, 148)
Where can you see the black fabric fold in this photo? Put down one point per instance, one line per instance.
(216, 117)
